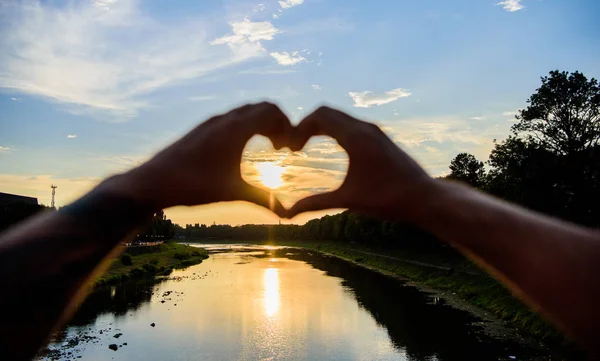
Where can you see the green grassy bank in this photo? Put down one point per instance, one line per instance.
(150, 261)
(475, 287)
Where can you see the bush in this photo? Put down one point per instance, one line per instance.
(136, 272)
(126, 260)
(181, 255)
(150, 268)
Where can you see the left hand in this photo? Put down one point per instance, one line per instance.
(204, 166)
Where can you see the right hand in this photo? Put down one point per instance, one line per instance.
(382, 180)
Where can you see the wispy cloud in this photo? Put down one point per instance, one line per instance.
(72, 136)
(290, 3)
(248, 32)
(106, 55)
(477, 118)
(316, 87)
(263, 71)
(15, 99)
(285, 58)
(5, 149)
(368, 99)
(511, 5)
(510, 113)
(259, 7)
(202, 98)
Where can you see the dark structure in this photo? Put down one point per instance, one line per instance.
(9, 199)
(15, 208)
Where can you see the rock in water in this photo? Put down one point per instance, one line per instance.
(113, 347)
(152, 324)
(118, 335)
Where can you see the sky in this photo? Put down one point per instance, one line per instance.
(94, 88)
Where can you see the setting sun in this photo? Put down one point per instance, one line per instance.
(270, 174)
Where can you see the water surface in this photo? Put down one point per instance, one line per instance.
(271, 303)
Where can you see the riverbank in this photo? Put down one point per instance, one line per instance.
(138, 262)
(462, 287)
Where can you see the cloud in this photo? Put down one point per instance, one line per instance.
(300, 108)
(275, 16)
(368, 99)
(202, 98)
(285, 4)
(264, 71)
(103, 57)
(15, 99)
(285, 58)
(71, 136)
(316, 87)
(477, 118)
(511, 5)
(5, 149)
(258, 8)
(248, 32)
(510, 113)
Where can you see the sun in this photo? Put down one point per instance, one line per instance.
(270, 174)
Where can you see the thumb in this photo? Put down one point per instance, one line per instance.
(263, 198)
(317, 202)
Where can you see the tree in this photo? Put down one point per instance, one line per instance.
(563, 114)
(551, 161)
(466, 168)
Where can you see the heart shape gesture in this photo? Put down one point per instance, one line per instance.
(204, 166)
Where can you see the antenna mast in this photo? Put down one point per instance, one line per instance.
(53, 194)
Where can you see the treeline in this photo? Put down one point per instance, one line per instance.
(550, 163)
(157, 229)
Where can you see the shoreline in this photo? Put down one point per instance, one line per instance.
(151, 261)
(490, 324)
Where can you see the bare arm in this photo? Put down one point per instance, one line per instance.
(553, 264)
(46, 262)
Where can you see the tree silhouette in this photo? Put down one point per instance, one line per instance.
(466, 168)
(563, 114)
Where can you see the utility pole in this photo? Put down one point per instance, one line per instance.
(53, 194)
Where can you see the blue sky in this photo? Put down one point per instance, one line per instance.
(92, 88)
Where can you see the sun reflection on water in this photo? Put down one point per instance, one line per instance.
(271, 297)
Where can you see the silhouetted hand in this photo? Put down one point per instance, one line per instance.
(204, 166)
(382, 180)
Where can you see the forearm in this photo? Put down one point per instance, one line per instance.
(47, 261)
(554, 265)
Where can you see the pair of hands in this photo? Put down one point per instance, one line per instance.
(204, 166)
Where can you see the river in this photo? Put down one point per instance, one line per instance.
(274, 303)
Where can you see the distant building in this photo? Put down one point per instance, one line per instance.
(8, 199)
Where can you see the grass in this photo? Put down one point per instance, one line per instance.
(150, 261)
(464, 281)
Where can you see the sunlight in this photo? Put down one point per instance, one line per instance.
(271, 291)
(270, 174)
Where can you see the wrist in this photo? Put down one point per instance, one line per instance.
(432, 203)
(133, 187)
(111, 209)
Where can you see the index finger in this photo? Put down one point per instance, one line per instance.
(265, 119)
(331, 122)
